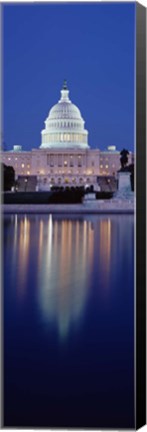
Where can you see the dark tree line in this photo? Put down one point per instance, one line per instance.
(8, 177)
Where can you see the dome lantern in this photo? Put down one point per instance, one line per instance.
(64, 85)
(64, 93)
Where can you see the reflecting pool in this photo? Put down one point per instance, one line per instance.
(69, 321)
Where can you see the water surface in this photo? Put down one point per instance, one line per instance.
(69, 321)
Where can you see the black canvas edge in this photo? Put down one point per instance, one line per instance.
(140, 373)
(140, 216)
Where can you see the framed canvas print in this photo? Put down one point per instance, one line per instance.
(73, 230)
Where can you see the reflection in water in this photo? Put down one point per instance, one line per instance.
(105, 247)
(64, 270)
(15, 239)
(40, 242)
(17, 242)
(65, 253)
(23, 253)
(69, 279)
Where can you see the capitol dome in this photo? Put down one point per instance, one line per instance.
(64, 126)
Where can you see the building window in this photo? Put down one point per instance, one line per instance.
(15, 158)
(28, 166)
(71, 161)
(101, 166)
(28, 172)
(22, 165)
(9, 158)
(106, 166)
(65, 163)
(51, 160)
(79, 161)
(60, 160)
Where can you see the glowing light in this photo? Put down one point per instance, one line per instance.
(105, 246)
(111, 148)
(60, 299)
(24, 242)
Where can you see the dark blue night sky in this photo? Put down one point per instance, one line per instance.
(92, 46)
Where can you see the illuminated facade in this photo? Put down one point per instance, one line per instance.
(64, 156)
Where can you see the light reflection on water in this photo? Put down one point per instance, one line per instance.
(65, 251)
(69, 320)
(64, 271)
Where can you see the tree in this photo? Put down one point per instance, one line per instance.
(124, 158)
(8, 174)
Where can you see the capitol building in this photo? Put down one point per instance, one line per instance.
(64, 157)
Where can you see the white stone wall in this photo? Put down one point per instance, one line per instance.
(45, 182)
(110, 162)
(21, 161)
(63, 162)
